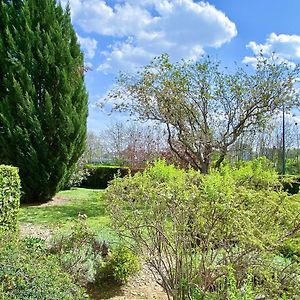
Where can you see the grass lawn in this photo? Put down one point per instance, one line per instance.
(84, 201)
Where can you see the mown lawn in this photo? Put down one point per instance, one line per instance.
(84, 201)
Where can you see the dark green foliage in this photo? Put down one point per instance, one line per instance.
(290, 183)
(28, 272)
(43, 100)
(9, 197)
(100, 175)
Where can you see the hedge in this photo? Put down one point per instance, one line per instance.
(9, 197)
(100, 175)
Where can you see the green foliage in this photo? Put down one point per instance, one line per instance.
(188, 97)
(256, 174)
(28, 272)
(193, 229)
(291, 248)
(121, 264)
(9, 197)
(100, 175)
(43, 100)
(79, 252)
(290, 183)
(88, 259)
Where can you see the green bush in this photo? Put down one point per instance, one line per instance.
(9, 197)
(28, 272)
(193, 228)
(79, 252)
(99, 175)
(121, 264)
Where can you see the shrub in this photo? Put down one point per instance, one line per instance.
(79, 252)
(9, 197)
(28, 272)
(121, 264)
(196, 230)
(99, 175)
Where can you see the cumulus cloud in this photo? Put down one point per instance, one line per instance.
(286, 47)
(141, 30)
(88, 45)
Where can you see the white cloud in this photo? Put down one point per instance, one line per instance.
(286, 48)
(88, 45)
(143, 29)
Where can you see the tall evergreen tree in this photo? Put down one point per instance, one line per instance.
(43, 99)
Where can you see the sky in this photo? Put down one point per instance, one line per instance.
(124, 35)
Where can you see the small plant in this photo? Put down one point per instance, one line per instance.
(121, 264)
(79, 251)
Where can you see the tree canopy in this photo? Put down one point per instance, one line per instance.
(43, 99)
(206, 108)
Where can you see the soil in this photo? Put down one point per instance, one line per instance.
(141, 286)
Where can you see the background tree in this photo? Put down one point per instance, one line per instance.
(43, 100)
(205, 109)
(133, 144)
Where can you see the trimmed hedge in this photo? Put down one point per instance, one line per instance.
(100, 175)
(9, 197)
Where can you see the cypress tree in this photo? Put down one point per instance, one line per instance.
(43, 99)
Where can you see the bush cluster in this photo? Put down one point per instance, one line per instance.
(27, 271)
(206, 235)
(9, 197)
(100, 175)
(89, 259)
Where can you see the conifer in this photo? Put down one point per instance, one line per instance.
(43, 99)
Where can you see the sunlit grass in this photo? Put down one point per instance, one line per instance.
(81, 201)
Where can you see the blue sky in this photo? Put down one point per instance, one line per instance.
(124, 35)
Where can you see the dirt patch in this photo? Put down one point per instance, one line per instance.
(40, 231)
(141, 286)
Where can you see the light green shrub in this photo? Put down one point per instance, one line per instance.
(191, 228)
(9, 197)
(121, 264)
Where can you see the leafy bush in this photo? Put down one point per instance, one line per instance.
(88, 259)
(9, 197)
(79, 252)
(121, 264)
(99, 175)
(28, 272)
(196, 231)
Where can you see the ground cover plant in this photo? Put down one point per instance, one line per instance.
(215, 236)
(28, 271)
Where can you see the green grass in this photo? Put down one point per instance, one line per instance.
(84, 201)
